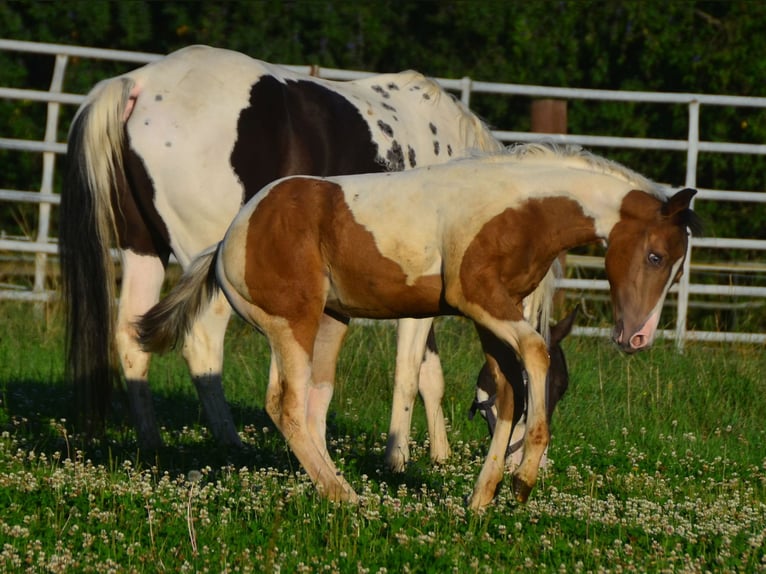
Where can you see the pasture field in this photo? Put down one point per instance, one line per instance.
(658, 463)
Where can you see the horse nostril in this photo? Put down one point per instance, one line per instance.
(638, 341)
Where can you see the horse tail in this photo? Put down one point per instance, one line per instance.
(538, 305)
(165, 324)
(86, 232)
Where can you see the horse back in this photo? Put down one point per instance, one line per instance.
(300, 239)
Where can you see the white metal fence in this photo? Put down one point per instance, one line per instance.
(44, 245)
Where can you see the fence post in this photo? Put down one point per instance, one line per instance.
(692, 152)
(466, 85)
(549, 116)
(49, 161)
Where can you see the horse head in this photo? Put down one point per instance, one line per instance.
(645, 255)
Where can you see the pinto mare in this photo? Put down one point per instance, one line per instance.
(163, 157)
(470, 237)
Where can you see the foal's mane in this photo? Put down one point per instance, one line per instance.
(578, 157)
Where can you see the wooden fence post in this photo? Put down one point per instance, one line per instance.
(549, 116)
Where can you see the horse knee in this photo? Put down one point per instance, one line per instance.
(134, 360)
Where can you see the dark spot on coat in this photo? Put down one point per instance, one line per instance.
(388, 107)
(392, 86)
(433, 128)
(158, 98)
(380, 90)
(395, 157)
(385, 128)
(426, 96)
(309, 129)
(449, 150)
(411, 156)
(436, 147)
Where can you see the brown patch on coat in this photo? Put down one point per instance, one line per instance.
(514, 250)
(304, 245)
(139, 225)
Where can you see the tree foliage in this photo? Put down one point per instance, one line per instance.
(654, 45)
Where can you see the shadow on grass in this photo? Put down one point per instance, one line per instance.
(39, 416)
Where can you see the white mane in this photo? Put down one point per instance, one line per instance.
(471, 126)
(576, 156)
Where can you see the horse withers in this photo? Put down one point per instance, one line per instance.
(471, 237)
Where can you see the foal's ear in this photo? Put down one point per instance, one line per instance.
(677, 207)
(679, 202)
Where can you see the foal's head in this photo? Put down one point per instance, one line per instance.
(644, 257)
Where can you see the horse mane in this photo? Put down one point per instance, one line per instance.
(575, 154)
(474, 131)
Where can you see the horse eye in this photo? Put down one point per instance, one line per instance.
(654, 259)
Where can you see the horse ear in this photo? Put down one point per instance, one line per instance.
(677, 208)
(678, 202)
(563, 327)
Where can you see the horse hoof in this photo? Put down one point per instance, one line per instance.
(521, 489)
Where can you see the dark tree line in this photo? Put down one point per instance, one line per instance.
(715, 47)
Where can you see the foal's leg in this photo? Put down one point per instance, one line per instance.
(534, 354)
(410, 346)
(142, 277)
(203, 351)
(327, 346)
(287, 400)
(531, 347)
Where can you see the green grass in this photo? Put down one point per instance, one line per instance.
(658, 464)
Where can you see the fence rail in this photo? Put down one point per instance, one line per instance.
(44, 245)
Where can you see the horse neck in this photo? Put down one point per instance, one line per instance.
(564, 225)
(596, 198)
(585, 213)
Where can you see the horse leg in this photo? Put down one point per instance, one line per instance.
(203, 351)
(287, 400)
(431, 387)
(327, 346)
(531, 347)
(491, 473)
(410, 344)
(142, 277)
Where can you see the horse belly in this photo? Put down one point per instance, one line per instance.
(381, 296)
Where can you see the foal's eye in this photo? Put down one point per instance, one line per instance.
(654, 259)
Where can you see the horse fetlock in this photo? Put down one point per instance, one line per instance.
(217, 411)
(439, 452)
(142, 414)
(483, 495)
(397, 456)
(336, 489)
